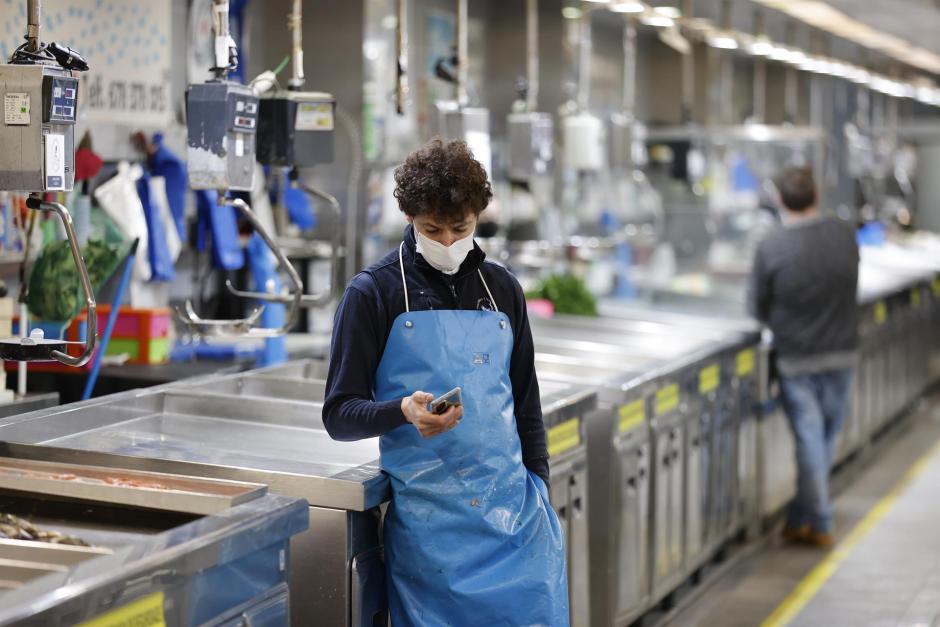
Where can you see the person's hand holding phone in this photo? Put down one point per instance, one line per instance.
(415, 409)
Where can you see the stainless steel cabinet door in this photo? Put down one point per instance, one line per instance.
(632, 580)
(578, 549)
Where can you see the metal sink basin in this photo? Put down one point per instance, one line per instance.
(277, 442)
(265, 386)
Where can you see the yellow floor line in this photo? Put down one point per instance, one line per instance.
(810, 585)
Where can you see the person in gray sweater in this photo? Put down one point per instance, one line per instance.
(803, 287)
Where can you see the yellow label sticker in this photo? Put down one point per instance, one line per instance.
(881, 313)
(744, 362)
(145, 612)
(915, 298)
(709, 378)
(935, 287)
(564, 437)
(632, 415)
(667, 399)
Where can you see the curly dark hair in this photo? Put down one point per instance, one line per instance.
(442, 179)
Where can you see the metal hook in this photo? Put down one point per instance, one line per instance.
(306, 300)
(244, 327)
(37, 349)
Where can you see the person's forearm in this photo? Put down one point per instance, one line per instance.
(351, 419)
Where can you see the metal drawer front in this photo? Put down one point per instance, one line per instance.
(633, 538)
(578, 550)
(697, 501)
(367, 589)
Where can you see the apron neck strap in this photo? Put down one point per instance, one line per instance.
(404, 284)
(488, 292)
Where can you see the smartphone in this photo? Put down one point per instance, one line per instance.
(446, 401)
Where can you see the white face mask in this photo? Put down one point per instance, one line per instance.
(447, 259)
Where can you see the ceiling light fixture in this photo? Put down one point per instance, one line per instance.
(571, 13)
(797, 57)
(666, 11)
(628, 7)
(780, 53)
(659, 21)
(761, 47)
(859, 76)
(723, 41)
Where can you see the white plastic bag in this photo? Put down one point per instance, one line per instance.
(118, 197)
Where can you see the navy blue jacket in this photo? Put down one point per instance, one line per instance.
(374, 298)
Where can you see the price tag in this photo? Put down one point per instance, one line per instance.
(16, 109)
(744, 362)
(632, 415)
(881, 313)
(145, 612)
(709, 378)
(667, 399)
(314, 116)
(564, 437)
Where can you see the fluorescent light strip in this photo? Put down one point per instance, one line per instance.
(628, 7)
(824, 17)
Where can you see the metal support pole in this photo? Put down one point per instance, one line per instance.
(532, 54)
(726, 65)
(791, 96)
(401, 53)
(629, 69)
(584, 61)
(688, 70)
(760, 72)
(463, 71)
(220, 26)
(33, 21)
(297, 45)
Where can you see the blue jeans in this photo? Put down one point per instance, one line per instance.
(815, 405)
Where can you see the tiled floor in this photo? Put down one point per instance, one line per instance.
(891, 577)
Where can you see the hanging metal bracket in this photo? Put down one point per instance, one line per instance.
(324, 297)
(35, 347)
(245, 327)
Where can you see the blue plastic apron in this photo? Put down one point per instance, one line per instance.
(470, 537)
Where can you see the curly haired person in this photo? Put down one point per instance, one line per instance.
(470, 537)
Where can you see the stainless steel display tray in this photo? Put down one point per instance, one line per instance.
(126, 487)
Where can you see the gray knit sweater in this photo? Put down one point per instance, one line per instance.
(803, 286)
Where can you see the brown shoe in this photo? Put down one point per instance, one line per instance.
(819, 539)
(796, 534)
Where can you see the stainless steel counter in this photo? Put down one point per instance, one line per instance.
(265, 427)
(180, 568)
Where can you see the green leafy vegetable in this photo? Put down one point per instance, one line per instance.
(567, 293)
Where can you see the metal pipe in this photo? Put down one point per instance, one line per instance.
(892, 113)
(295, 22)
(584, 61)
(33, 21)
(463, 60)
(532, 55)
(629, 69)
(726, 69)
(282, 259)
(220, 26)
(791, 95)
(688, 69)
(760, 72)
(307, 300)
(401, 54)
(91, 334)
(817, 45)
